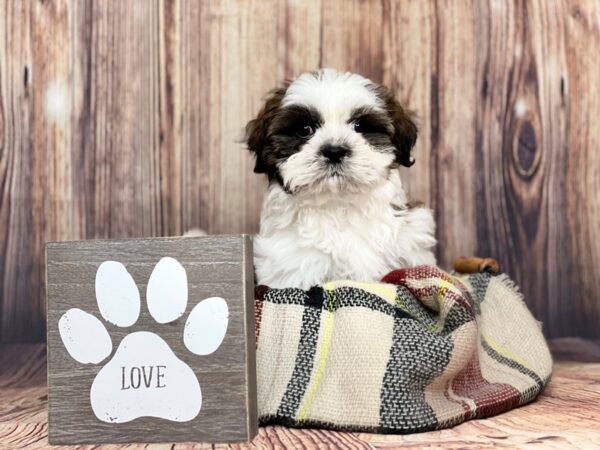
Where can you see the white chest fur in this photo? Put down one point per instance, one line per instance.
(305, 241)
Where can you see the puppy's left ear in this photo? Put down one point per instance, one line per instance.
(405, 128)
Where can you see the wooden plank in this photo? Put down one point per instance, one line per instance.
(410, 62)
(564, 417)
(21, 196)
(299, 33)
(224, 405)
(352, 37)
(243, 34)
(185, 30)
(432, 64)
(125, 89)
(579, 90)
(521, 125)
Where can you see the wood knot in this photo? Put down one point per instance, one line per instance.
(526, 149)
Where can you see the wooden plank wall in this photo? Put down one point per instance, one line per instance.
(121, 118)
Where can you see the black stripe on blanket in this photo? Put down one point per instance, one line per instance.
(417, 357)
(528, 394)
(346, 296)
(480, 283)
(307, 346)
(291, 423)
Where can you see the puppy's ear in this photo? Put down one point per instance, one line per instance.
(405, 128)
(257, 130)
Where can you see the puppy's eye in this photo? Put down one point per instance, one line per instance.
(305, 131)
(367, 125)
(359, 126)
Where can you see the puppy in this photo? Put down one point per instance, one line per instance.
(330, 144)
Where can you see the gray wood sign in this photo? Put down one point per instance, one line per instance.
(151, 340)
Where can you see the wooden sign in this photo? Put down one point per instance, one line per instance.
(151, 340)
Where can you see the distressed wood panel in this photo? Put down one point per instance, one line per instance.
(352, 37)
(299, 35)
(580, 89)
(442, 87)
(123, 119)
(243, 66)
(21, 217)
(226, 397)
(521, 155)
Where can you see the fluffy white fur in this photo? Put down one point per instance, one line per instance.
(346, 221)
(333, 93)
(306, 240)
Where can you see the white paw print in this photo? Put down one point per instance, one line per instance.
(144, 377)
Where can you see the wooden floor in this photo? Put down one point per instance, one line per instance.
(566, 416)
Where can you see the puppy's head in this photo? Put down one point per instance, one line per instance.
(331, 131)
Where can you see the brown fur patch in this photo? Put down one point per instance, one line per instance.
(405, 129)
(257, 130)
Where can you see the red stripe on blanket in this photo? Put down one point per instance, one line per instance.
(489, 398)
(405, 277)
(397, 276)
(259, 297)
(462, 403)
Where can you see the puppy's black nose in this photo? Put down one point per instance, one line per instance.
(334, 153)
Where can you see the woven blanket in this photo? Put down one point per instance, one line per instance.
(422, 350)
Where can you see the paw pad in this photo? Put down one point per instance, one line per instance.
(144, 378)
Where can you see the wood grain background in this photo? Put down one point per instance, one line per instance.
(121, 118)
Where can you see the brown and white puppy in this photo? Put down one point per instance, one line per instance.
(330, 144)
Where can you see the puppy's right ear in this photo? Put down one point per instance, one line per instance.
(257, 130)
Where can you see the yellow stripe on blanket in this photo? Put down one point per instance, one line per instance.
(383, 290)
(506, 352)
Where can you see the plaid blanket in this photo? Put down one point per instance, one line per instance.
(422, 350)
